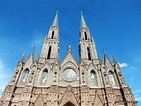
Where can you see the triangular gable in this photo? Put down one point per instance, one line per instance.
(39, 101)
(107, 62)
(92, 67)
(29, 61)
(97, 101)
(69, 97)
(69, 58)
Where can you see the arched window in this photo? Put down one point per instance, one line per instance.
(93, 78)
(89, 55)
(49, 52)
(25, 75)
(52, 36)
(44, 76)
(112, 78)
(85, 35)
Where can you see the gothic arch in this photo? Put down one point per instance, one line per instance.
(112, 78)
(49, 52)
(88, 53)
(44, 76)
(25, 75)
(52, 35)
(93, 78)
(69, 104)
(85, 35)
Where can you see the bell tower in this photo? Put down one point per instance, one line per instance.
(87, 47)
(50, 46)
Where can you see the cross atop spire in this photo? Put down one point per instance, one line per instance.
(83, 24)
(55, 22)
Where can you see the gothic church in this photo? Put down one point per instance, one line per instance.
(45, 81)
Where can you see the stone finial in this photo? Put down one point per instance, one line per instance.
(69, 47)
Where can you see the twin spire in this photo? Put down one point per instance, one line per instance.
(83, 23)
(55, 22)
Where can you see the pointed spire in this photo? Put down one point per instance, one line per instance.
(104, 55)
(100, 58)
(114, 59)
(33, 50)
(107, 61)
(23, 56)
(37, 58)
(55, 22)
(31, 57)
(83, 24)
(104, 52)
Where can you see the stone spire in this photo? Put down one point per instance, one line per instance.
(83, 24)
(50, 48)
(55, 22)
(107, 61)
(31, 57)
(23, 57)
(114, 59)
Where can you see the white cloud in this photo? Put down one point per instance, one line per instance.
(138, 99)
(123, 65)
(137, 95)
(37, 39)
(4, 77)
(133, 68)
(137, 91)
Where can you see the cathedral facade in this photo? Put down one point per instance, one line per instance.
(45, 81)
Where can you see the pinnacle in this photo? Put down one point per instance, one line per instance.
(69, 47)
(114, 59)
(55, 22)
(83, 24)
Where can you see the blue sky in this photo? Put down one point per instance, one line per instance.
(114, 24)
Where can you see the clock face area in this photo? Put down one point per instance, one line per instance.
(69, 75)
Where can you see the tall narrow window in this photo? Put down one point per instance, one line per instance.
(85, 35)
(89, 55)
(52, 36)
(25, 75)
(49, 52)
(44, 76)
(112, 78)
(93, 78)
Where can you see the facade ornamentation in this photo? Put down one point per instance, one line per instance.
(48, 82)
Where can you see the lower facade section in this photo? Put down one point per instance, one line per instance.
(66, 96)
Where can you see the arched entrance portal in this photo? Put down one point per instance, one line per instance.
(69, 104)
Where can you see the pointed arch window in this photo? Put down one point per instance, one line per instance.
(112, 78)
(52, 35)
(93, 78)
(89, 55)
(85, 35)
(49, 52)
(44, 76)
(25, 75)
